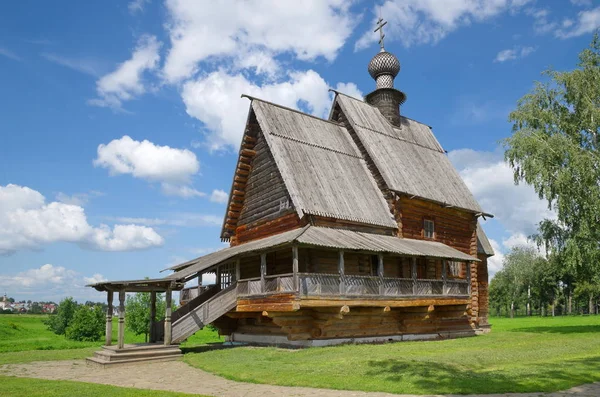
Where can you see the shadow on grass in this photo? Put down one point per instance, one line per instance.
(207, 347)
(447, 378)
(566, 329)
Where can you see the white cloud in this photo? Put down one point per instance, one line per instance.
(215, 100)
(125, 83)
(9, 54)
(496, 262)
(258, 30)
(83, 65)
(27, 222)
(587, 22)
(428, 21)
(173, 168)
(514, 53)
(349, 89)
(219, 196)
(50, 282)
(136, 6)
(516, 207)
(581, 3)
(79, 199)
(183, 219)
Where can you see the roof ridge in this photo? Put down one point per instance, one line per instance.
(290, 109)
(398, 138)
(315, 145)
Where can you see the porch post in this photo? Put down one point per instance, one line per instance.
(109, 313)
(263, 271)
(121, 339)
(152, 315)
(168, 317)
(237, 270)
(218, 277)
(341, 271)
(444, 276)
(380, 273)
(468, 265)
(295, 266)
(414, 275)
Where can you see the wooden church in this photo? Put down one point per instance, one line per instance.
(355, 228)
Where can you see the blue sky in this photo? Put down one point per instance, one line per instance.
(120, 121)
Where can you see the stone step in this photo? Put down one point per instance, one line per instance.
(103, 363)
(138, 347)
(108, 355)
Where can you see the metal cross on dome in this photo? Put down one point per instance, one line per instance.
(380, 24)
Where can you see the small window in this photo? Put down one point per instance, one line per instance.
(454, 269)
(284, 204)
(428, 228)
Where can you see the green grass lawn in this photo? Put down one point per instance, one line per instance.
(14, 387)
(24, 338)
(519, 355)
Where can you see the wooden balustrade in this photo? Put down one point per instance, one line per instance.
(318, 284)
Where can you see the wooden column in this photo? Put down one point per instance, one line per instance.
(218, 277)
(121, 339)
(237, 270)
(152, 315)
(263, 271)
(341, 271)
(168, 317)
(444, 276)
(414, 275)
(109, 313)
(380, 273)
(468, 265)
(295, 266)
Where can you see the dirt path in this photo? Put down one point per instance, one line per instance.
(180, 377)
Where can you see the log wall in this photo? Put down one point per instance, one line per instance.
(453, 227)
(331, 323)
(267, 208)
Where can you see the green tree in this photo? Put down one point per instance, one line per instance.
(137, 312)
(554, 148)
(59, 322)
(35, 308)
(87, 324)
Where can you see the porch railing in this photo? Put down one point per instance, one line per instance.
(318, 284)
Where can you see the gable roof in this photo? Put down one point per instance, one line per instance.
(483, 244)
(410, 159)
(321, 167)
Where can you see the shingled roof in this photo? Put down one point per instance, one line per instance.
(321, 166)
(409, 158)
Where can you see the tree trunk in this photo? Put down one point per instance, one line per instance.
(569, 303)
(543, 310)
(529, 300)
(591, 305)
(512, 309)
(553, 307)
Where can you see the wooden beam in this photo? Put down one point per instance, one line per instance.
(444, 276)
(341, 270)
(152, 316)
(109, 313)
(380, 274)
(414, 275)
(263, 271)
(326, 303)
(295, 267)
(121, 334)
(168, 329)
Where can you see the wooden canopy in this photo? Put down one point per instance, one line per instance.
(148, 285)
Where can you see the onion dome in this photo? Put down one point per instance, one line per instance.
(384, 67)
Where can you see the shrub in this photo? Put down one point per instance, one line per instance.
(87, 324)
(59, 322)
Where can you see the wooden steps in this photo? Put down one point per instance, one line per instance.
(135, 354)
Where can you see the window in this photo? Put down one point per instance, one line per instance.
(428, 228)
(454, 269)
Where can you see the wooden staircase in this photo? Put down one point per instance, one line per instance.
(134, 354)
(196, 318)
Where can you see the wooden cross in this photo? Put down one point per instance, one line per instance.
(380, 24)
